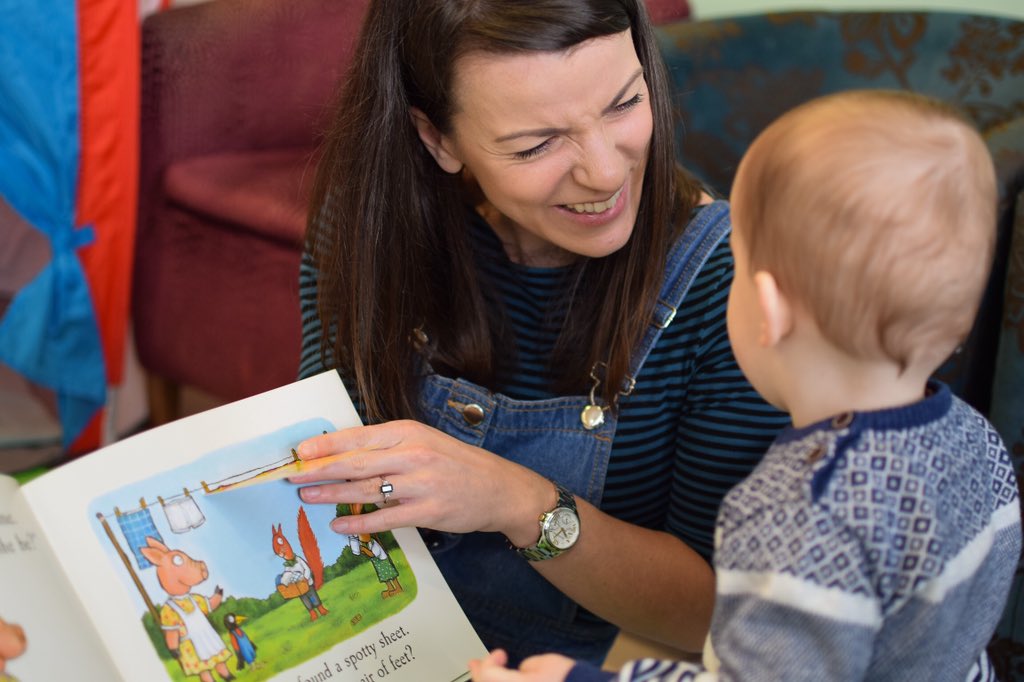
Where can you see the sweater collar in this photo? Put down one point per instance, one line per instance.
(935, 404)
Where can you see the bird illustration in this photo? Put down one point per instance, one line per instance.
(245, 650)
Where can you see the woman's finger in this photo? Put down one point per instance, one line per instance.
(354, 464)
(374, 437)
(379, 521)
(379, 490)
(389, 453)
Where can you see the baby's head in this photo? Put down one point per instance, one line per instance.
(875, 213)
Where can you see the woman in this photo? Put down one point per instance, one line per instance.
(527, 302)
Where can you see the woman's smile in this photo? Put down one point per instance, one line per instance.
(592, 208)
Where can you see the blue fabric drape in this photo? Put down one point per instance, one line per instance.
(50, 331)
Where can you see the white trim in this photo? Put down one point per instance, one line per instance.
(831, 603)
(836, 604)
(966, 562)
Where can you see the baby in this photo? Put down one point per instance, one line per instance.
(878, 537)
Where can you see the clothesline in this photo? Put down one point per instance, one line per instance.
(180, 509)
(206, 487)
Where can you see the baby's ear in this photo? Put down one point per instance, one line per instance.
(435, 141)
(776, 311)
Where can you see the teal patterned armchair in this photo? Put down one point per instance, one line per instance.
(733, 76)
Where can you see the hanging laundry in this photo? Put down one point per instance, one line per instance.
(183, 514)
(137, 526)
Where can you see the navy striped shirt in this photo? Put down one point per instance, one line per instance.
(692, 426)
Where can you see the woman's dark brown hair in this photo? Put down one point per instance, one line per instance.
(388, 229)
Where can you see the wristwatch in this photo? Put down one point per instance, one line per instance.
(559, 529)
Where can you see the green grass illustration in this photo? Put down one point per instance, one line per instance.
(285, 636)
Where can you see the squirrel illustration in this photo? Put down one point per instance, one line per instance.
(302, 575)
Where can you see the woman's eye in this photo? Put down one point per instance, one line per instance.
(530, 153)
(630, 103)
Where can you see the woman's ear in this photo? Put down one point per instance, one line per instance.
(776, 311)
(435, 142)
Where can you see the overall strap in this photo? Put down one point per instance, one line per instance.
(685, 260)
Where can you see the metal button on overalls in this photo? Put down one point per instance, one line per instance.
(473, 414)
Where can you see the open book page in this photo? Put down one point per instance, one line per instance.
(60, 641)
(187, 574)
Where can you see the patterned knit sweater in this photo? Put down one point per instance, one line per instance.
(872, 546)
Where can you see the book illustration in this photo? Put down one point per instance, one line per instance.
(369, 545)
(300, 578)
(147, 545)
(185, 617)
(198, 565)
(245, 649)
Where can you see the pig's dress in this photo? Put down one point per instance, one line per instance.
(201, 647)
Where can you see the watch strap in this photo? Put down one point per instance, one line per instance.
(543, 549)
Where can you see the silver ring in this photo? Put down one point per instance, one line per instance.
(386, 489)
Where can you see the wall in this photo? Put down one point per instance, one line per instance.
(707, 9)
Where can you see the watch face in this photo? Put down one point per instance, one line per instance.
(563, 528)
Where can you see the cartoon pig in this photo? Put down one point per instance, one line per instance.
(188, 633)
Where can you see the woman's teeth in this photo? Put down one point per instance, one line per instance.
(600, 207)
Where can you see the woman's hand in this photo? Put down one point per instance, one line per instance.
(544, 668)
(444, 484)
(439, 482)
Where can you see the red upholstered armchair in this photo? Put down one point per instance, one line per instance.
(234, 96)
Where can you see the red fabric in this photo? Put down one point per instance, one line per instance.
(239, 87)
(221, 309)
(667, 11)
(266, 192)
(108, 171)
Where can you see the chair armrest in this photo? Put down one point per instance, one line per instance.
(667, 11)
(231, 75)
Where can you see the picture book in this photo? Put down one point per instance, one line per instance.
(184, 553)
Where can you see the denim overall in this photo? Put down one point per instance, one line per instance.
(509, 604)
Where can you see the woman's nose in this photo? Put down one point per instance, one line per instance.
(599, 166)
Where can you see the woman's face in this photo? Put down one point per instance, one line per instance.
(558, 144)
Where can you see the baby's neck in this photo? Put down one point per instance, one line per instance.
(831, 385)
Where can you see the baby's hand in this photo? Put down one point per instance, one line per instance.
(12, 642)
(543, 668)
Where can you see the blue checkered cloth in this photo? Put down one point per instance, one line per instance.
(137, 526)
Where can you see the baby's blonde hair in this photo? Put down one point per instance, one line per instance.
(875, 212)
